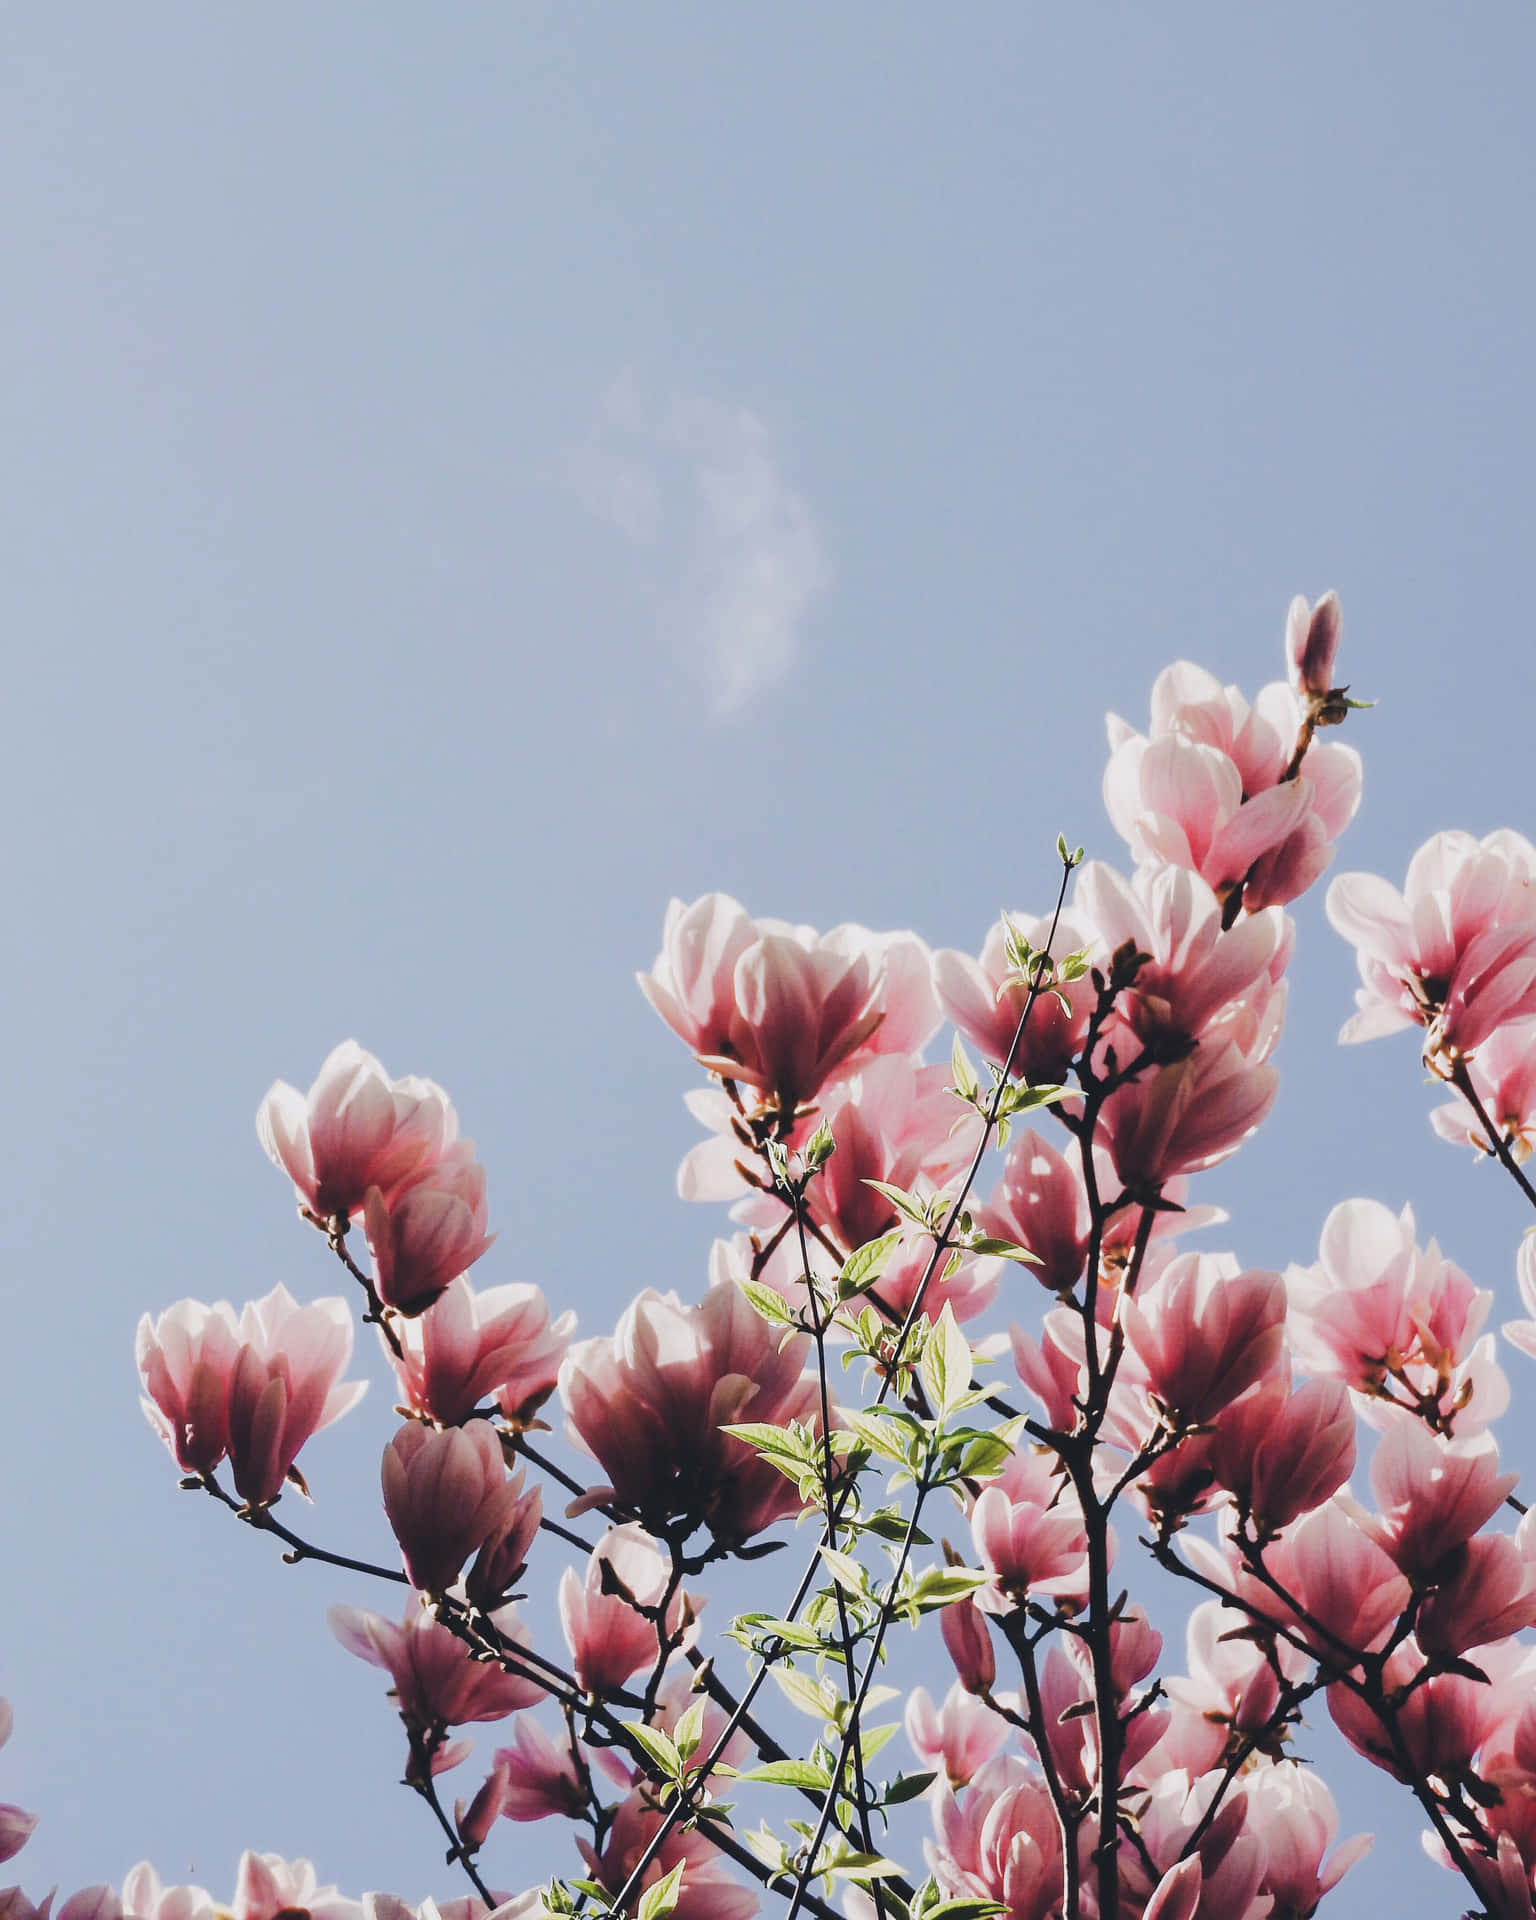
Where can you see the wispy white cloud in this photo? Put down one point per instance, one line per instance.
(699, 484)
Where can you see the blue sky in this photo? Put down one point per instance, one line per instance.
(475, 472)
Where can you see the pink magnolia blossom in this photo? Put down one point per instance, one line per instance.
(1231, 1853)
(1434, 1494)
(765, 1005)
(1342, 1579)
(1041, 1203)
(1280, 1452)
(1028, 1530)
(467, 1345)
(429, 1231)
(707, 1892)
(609, 1640)
(956, 1739)
(448, 1496)
(145, 1897)
(15, 1826)
(257, 1387)
(1187, 1116)
(355, 1129)
(539, 1774)
(1393, 1319)
(268, 1886)
(285, 1386)
(1290, 1807)
(1312, 645)
(437, 1682)
(650, 1402)
(1454, 952)
(1194, 976)
(1204, 1331)
(986, 1002)
(1000, 1842)
(891, 1120)
(1440, 1723)
(1207, 790)
(1231, 1690)
(1485, 1592)
(186, 1360)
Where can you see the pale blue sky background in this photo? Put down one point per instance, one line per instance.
(473, 472)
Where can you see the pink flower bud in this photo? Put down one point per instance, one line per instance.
(474, 1822)
(1312, 645)
(447, 1495)
(429, 1232)
(186, 1360)
(969, 1642)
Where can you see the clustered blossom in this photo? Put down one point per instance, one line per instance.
(1220, 1399)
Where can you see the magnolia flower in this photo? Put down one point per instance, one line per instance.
(985, 999)
(256, 1388)
(437, 1682)
(956, 1739)
(355, 1129)
(447, 1495)
(609, 1639)
(467, 1345)
(650, 1403)
(267, 1887)
(1454, 952)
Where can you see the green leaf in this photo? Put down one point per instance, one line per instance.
(966, 1084)
(772, 1306)
(1003, 1250)
(942, 1586)
(863, 1866)
(865, 1264)
(657, 1748)
(689, 1730)
(657, 1901)
(815, 1697)
(907, 1786)
(791, 1773)
(846, 1571)
(905, 1203)
(946, 1364)
(965, 1909)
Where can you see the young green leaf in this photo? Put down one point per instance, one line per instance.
(865, 1264)
(658, 1900)
(657, 1748)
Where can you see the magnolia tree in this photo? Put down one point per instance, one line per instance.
(840, 1387)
